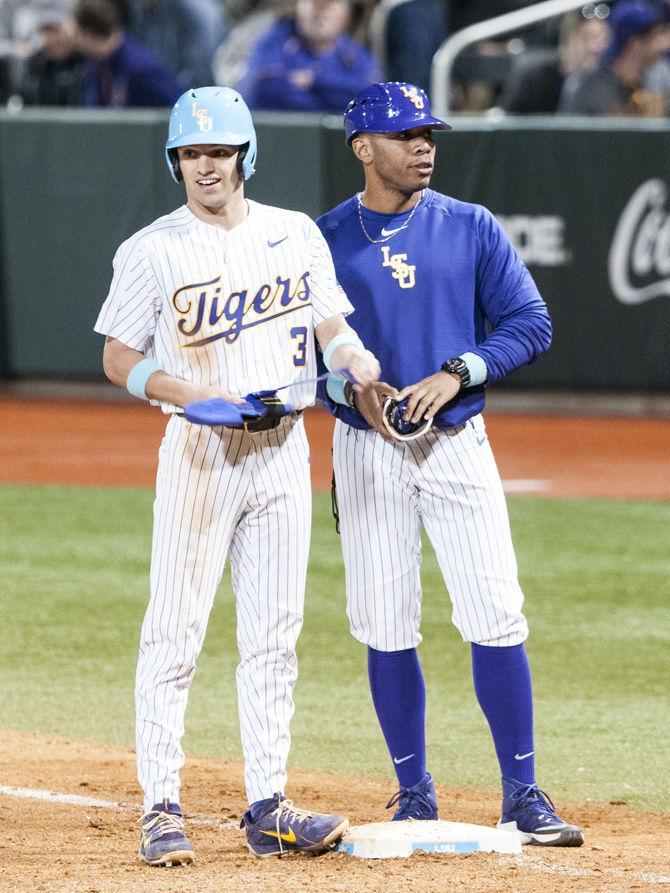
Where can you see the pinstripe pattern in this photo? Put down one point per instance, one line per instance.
(234, 309)
(449, 483)
(221, 490)
(180, 282)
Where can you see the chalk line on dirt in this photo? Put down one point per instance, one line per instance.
(527, 860)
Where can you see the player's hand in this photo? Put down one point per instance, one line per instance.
(198, 392)
(302, 78)
(357, 365)
(369, 402)
(429, 395)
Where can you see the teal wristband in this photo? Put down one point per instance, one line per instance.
(476, 367)
(339, 341)
(335, 389)
(139, 376)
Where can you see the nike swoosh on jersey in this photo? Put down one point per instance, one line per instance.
(389, 232)
(272, 244)
(288, 838)
(524, 756)
(402, 759)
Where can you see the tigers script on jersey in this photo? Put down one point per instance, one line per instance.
(229, 308)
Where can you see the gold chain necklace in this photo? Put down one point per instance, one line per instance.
(391, 234)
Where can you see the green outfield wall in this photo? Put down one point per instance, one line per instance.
(585, 202)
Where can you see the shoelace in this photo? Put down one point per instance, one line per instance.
(286, 809)
(162, 823)
(404, 794)
(532, 790)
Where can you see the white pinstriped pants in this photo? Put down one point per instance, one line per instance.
(220, 490)
(449, 483)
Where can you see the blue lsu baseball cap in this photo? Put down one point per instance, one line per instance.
(389, 108)
(633, 18)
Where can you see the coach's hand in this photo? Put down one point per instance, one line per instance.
(369, 402)
(429, 395)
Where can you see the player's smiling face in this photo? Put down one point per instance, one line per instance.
(402, 161)
(210, 175)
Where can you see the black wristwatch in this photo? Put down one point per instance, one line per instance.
(350, 394)
(458, 367)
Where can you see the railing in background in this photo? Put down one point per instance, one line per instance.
(443, 60)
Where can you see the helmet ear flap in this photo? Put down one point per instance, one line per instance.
(174, 161)
(241, 155)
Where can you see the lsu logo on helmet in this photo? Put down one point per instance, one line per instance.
(410, 92)
(204, 122)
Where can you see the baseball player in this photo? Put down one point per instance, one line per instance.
(446, 304)
(208, 306)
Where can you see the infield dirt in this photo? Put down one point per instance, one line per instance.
(52, 846)
(116, 444)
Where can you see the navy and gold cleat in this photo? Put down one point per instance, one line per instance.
(418, 802)
(162, 838)
(529, 812)
(280, 827)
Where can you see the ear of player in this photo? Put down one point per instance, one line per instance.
(255, 407)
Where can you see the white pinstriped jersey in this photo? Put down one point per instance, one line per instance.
(234, 309)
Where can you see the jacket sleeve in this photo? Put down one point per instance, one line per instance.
(518, 327)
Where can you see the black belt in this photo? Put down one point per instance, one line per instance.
(269, 422)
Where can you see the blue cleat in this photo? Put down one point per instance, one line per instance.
(529, 811)
(282, 828)
(162, 838)
(417, 802)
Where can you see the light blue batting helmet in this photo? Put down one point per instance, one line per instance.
(216, 115)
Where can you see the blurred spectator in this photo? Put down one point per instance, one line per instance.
(184, 34)
(18, 41)
(54, 74)
(414, 32)
(307, 62)
(18, 19)
(119, 71)
(640, 35)
(538, 75)
(232, 56)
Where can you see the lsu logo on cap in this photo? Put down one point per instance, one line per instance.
(205, 123)
(412, 94)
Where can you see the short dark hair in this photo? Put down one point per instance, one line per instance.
(101, 18)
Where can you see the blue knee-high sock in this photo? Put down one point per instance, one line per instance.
(503, 689)
(399, 696)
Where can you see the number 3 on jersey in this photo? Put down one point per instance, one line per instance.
(299, 335)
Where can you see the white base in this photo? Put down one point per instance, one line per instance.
(386, 840)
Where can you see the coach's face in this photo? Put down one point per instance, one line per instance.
(210, 174)
(402, 161)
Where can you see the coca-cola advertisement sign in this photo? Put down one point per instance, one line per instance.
(639, 257)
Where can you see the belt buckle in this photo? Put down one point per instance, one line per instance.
(262, 424)
(269, 424)
(254, 426)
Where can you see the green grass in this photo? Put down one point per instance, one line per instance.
(74, 565)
